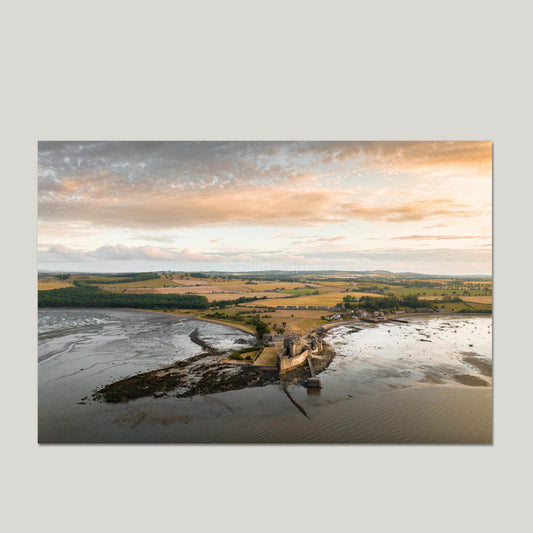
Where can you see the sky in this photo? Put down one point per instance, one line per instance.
(246, 206)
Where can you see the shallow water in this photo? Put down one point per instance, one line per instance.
(372, 392)
(397, 355)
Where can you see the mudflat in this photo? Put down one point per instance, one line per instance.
(375, 390)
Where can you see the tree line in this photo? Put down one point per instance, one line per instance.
(84, 295)
(221, 304)
(369, 303)
(124, 278)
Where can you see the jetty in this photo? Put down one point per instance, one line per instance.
(312, 382)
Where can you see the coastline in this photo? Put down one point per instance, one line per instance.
(250, 331)
(209, 370)
(244, 329)
(395, 316)
(204, 401)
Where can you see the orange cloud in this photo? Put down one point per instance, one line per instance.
(437, 237)
(258, 205)
(168, 185)
(269, 206)
(416, 157)
(311, 240)
(409, 211)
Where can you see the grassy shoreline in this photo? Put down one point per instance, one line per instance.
(196, 317)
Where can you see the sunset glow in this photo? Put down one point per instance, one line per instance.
(239, 206)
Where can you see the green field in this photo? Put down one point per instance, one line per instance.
(149, 283)
(268, 356)
(404, 291)
(302, 292)
(292, 290)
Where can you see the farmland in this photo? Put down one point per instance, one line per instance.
(250, 300)
(50, 283)
(329, 299)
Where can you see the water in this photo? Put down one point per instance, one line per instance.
(397, 355)
(372, 392)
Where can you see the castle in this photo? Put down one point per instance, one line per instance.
(295, 351)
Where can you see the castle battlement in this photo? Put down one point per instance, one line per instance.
(295, 351)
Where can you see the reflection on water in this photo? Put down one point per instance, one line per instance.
(394, 355)
(387, 384)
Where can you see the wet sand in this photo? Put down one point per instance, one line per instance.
(373, 392)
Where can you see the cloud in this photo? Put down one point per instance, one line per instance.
(437, 237)
(121, 252)
(189, 165)
(426, 259)
(160, 155)
(60, 253)
(275, 206)
(193, 166)
(440, 225)
(152, 253)
(168, 210)
(431, 158)
(409, 211)
(95, 194)
(186, 184)
(315, 239)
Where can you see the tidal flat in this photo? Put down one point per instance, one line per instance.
(427, 381)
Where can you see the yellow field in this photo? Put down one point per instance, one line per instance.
(214, 290)
(336, 284)
(238, 284)
(477, 299)
(270, 285)
(235, 296)
(46, 284)
(146, 283)
(329, 299)
(153, 290)
(212, 297)
(193, 281)
(300, 323)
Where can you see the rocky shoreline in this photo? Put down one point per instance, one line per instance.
(206, 373)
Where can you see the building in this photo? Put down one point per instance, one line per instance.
(295, 351)
(272, 338)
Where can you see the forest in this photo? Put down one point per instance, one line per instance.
(84, 295)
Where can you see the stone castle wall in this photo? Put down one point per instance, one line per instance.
(284, 363)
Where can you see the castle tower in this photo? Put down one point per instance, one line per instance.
(294, 347)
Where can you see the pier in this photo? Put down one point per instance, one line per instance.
(313, 382)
